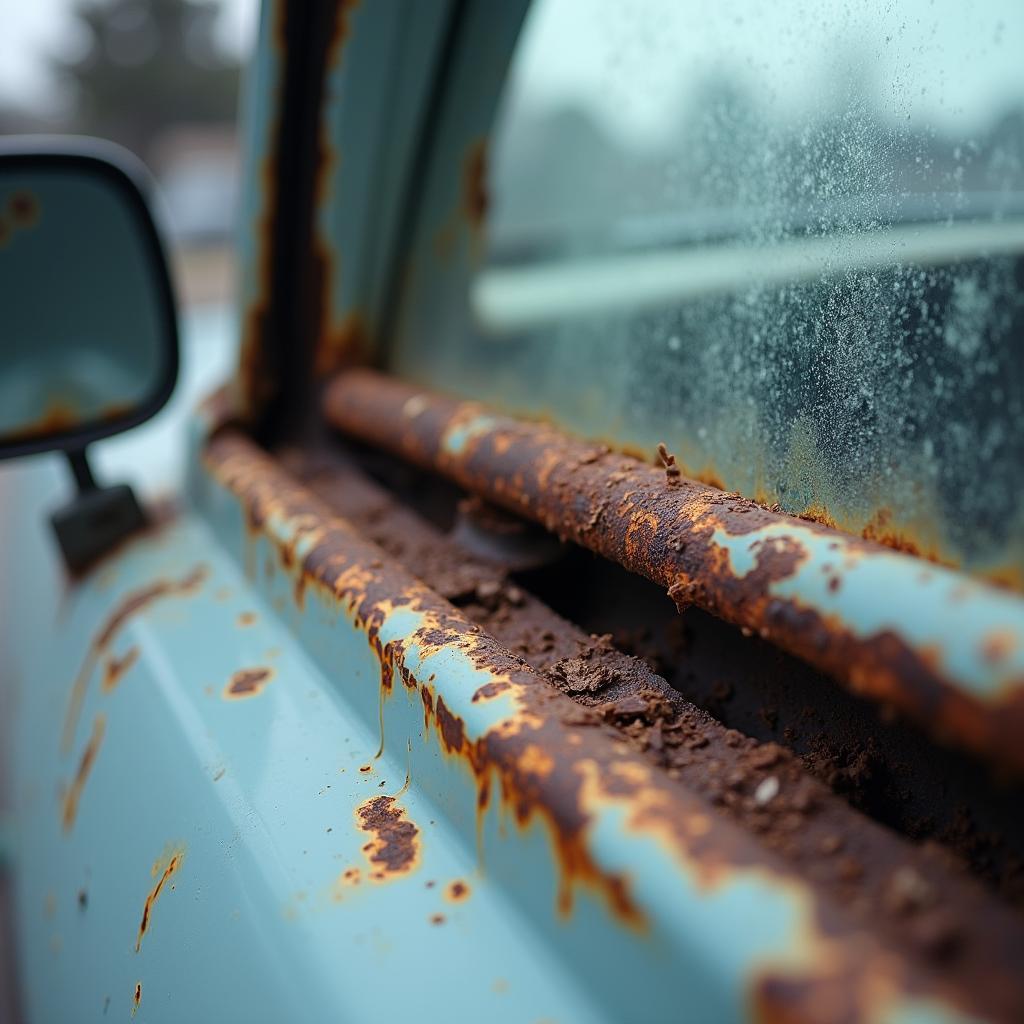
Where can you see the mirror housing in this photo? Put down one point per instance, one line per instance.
(88, 329)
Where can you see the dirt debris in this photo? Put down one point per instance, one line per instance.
(879, 878)
(668, 460)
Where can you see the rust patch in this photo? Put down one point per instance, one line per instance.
(116, 667)
(427, 697)
(247, 682)
(163, 870)
(488, 691)
(137, 998)
(348, 879)
(85, 765)
(881, 530)
(457, 891)
(817, 513)
(394, 849)
(132, 604)
(246, 619)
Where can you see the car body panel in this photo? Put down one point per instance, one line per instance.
(203, 844)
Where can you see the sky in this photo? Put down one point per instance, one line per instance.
(942, 62)
(34, 28)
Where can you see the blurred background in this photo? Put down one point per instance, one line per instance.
(160, 77)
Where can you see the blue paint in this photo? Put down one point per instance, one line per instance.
(928, 606)
(459, 435)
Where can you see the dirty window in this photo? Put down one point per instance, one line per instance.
(784, 238)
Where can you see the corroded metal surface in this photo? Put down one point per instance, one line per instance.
(366, 137)
(924, 640)
(679, 894)
(887, 883)
(262, 107)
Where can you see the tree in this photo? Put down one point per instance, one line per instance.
(148, 64)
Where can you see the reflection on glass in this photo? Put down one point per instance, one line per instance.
(84, 337)
(784, 237)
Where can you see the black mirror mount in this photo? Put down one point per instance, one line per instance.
(96, 518)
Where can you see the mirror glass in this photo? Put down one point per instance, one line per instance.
(88, 342)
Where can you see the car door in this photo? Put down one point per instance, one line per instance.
(363, 727)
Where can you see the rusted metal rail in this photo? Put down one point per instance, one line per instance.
(623, 693)
(943, 649)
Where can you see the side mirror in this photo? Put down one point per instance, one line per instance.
(88, 332)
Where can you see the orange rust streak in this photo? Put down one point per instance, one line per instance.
(117, 667)
(137, 999)
(131, 605)
(520, 797)
(74, 793)
(173, 864)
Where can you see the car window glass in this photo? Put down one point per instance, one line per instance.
(784, 238)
